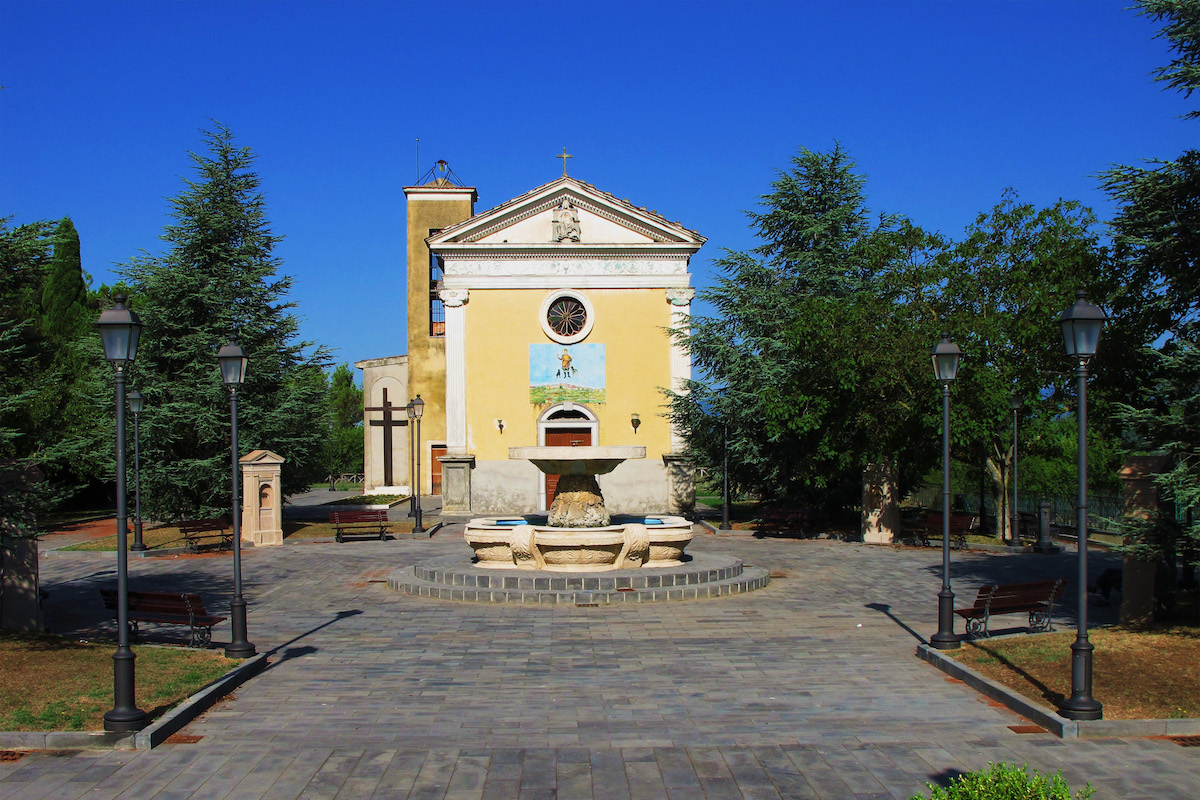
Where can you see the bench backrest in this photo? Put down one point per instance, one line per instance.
(203, 525)
(1019, 593)
(182, 603)
(339, 517)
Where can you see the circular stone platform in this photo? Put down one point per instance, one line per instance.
(703, 576)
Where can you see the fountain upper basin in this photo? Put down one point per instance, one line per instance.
(585, 460)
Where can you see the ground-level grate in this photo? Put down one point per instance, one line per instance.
(1186, 741)
(1026, 729)
(11, 755)
(183, 738)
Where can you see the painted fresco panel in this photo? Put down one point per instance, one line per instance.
(561, 373)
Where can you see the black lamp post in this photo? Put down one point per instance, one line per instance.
(233, 371)
(412, 469)
(1081, 326)
(725, 526)
(945, 368)
(1016, 404)
(415, 409)
(136, 404)
(120, 329)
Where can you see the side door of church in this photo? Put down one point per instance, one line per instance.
(564, 437)
(435, 468)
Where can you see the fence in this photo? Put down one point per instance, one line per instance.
(1102, 509)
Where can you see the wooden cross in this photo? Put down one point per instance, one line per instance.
(564, 157)
(387, 423)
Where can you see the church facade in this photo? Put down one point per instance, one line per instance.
(542, 321)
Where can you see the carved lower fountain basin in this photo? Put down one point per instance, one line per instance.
(518, 543)
(578, 535)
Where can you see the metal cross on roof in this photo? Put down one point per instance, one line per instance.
(564, 157)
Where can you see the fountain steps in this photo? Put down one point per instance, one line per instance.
(701, 577)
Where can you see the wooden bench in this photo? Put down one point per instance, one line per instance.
(360, 523)
(167, 608)
(931, 526)
(1036, 599)
(194, 530)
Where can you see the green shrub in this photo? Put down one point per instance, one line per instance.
(1002, 782)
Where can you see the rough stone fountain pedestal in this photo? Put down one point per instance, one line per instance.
(578, 502)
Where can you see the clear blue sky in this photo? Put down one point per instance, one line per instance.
(686, 108)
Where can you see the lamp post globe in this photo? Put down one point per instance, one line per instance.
(946, 355)
(232, 361)
(120, 330)
(136, 403)
(1081, 325)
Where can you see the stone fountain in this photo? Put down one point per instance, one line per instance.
(613, 559)
(579, 535)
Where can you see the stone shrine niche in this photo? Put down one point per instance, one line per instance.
(262, 506)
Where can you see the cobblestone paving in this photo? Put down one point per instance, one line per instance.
(806, 689)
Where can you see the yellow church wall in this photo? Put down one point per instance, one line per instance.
(500, 326)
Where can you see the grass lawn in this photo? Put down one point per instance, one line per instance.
(1137, 674)
(49, 683)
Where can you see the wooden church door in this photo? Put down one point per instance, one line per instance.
(564, 437)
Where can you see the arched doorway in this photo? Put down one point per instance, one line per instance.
(564, 425)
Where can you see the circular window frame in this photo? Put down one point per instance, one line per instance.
(587, 323)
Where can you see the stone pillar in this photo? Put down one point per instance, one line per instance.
(262, 501)
(680, 299)
(880, 508)
(456, 483)
(1140, 499)
(681, 483)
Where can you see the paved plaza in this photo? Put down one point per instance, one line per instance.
(808, 688)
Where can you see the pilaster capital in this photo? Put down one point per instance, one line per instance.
(680, 297)
(454, 298)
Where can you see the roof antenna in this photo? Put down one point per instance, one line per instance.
(418, 159)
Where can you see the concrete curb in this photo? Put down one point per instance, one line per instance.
(145, 739)
(1058, 725)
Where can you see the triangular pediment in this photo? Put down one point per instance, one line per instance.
(603, 221)
(262, 457)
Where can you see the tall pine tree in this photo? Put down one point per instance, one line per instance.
(219, 281)
(1156, 236)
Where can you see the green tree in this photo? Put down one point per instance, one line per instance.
(218, 281)
(1007, 281)
(24, 250)
(343, 450)
(65, 316)
(815, 360)
(1156, 235)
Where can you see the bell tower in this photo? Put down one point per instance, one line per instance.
(438, 201)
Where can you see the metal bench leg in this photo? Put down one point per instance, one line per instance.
(977, 628)
(1040, 622)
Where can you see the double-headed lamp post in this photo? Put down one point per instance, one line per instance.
(136, 404)
(232, 359)
(1016, 404)
(1081, 326)
(415, 409)
(945, 368)
(120, 329)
